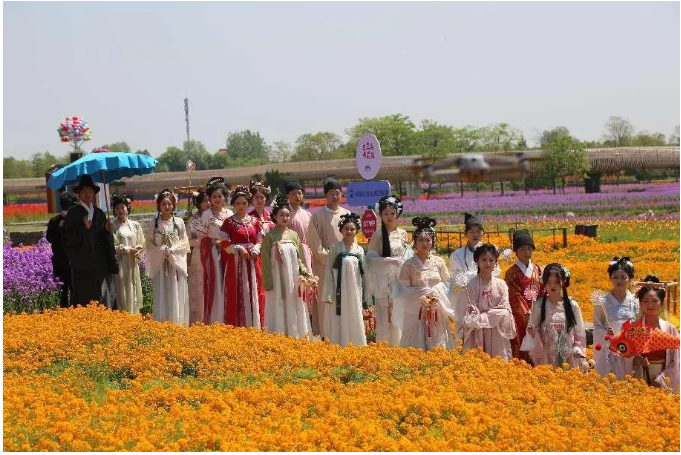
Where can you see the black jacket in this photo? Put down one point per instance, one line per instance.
(55, 235)
(89, 250)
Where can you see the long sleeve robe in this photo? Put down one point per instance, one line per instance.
(490, 325)
(348, 326)
(461, 262)
(127, 237)
(552, 344)
(610, 311)
(382, 276)
(299, 222)
(244, 296)
(322, 234)
(196, 233)
(520, 279)
(419, 328)
(213, 267)
(285, 311)
(168, 272)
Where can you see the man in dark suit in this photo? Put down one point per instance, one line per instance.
(55, 235)
(89, 245)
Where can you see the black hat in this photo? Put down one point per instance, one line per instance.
(67, 200)
(293, 185)
(522, 238)
(472, 220)
(86, 180)
(332, 184)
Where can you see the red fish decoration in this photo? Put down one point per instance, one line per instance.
(636, 339)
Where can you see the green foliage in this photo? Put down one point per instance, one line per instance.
(147, 294)
(172, 160)
(117, 147)
(618, 131)
(563, 156)
(276, 180)
(245, 146)
(315, 147)
(197, 152)
(15, 302)
(396, 133)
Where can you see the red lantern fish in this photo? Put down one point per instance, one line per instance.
(636, 339)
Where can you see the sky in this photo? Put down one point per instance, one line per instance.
(285, 69)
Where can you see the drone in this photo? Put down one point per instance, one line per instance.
(472, 167)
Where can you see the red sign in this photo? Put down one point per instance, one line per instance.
(368, 223)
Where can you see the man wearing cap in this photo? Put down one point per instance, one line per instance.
(55, 235)
(88, 241)
(321, 235)
(523, 280)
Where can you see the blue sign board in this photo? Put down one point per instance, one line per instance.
(367, 193)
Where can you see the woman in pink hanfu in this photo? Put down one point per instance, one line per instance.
(483, 313)
(260, 194)
(241, 236)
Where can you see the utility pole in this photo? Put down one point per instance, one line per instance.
(186, 114)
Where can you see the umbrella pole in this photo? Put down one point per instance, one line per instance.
(106, 196)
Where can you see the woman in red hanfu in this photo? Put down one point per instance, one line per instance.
(241, 236)
(260, 194)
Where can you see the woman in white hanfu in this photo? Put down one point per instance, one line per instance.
(213, 266)
(388, 249)
(610, 312)
(282, 266)
(556, 323)
(422, 308)
(128, 238)
(166, 252)
(344, 287)
(196, 233)
(483, 312)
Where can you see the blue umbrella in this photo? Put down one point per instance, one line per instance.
(103, 167)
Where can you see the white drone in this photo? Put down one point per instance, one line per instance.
(471, 167)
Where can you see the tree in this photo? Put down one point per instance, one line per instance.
(315, 147)
(499, 137)
(646, 139)
(13, 168)
(396, 133)
(674, 137)
(246, 146)
(143, 152)
(564, 156)
(467, 139)
(280, 152)
(173, 160)
(276, 181)
(548, 137)
(434, 140)
(197, 152)
(618, 131)
(40, 162)
(117, 147)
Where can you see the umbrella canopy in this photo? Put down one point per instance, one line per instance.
(103, 167)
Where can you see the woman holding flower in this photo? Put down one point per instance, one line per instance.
(610, 312)
(344, 287)
(282, 266)
(556, 325)
(483, 314)
(166, 250)
(422, 308)
(128, 243)
(388, 249)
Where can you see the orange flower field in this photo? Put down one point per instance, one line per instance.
(92, 379)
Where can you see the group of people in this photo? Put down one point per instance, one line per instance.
(304, 274)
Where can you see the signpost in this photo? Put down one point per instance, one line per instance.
(368, 156)
(367, 193)
(368, 223)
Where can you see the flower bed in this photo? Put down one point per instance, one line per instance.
(91, 379)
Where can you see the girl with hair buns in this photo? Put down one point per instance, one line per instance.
(128, 238)
(241, 234)
(556, 325)
(388, 249)
(166, 252)
(344, 286)
(610, 312)
(260, 194)
(483, 314)
(213, 268)
(196, 234)
(282, 266)
(421, 306)
(657, 368)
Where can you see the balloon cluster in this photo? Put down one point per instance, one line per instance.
(74, 129)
